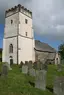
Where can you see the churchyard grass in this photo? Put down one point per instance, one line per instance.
(18, 84)
(51, 73)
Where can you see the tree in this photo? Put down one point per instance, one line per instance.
(61, 51)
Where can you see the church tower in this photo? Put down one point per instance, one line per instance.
(18, 41)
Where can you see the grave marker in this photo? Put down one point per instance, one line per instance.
(40, 81)
(4, 70)
(25, 69)
(59, 85)
(32, 72)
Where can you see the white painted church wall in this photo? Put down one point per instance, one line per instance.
(11, 29)
(23, 27)
(6, 54)
(57, 59)
(25, 49)
(25, 43)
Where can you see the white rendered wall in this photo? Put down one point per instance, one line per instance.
(11, 29)
(10, 33)
(57, 57)
(26, 52)
(26, 43)
(6, 54)
(23, 27)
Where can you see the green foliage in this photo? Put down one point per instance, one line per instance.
(61, 50)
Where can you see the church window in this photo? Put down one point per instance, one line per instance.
(11, 21)
(26, 21)
(26, 33)
(11, 48)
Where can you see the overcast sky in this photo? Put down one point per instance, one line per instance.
(48, 16)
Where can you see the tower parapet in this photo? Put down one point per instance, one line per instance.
(18, 8)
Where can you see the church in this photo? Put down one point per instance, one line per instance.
(19, 43)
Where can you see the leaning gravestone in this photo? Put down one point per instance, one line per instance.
(4, 70)
(26, 63)
(32, 72)
(30, 64)
(40, 81)
(59, 85)
(25, 69)
(21, 64)
(35, 65)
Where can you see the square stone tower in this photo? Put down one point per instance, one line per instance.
(18, 41)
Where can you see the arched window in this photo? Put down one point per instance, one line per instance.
(11, 48)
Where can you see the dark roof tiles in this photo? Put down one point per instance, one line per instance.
(43, 47)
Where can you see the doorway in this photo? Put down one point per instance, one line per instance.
(11, 61)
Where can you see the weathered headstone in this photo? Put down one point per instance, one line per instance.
(32, 72)
(30, 64)
(21, 64)
(59, 85)
(26, 63)
(40, 81)
(25, 69)
(4, 70)
(35, 65)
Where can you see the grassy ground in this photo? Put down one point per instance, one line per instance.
(52, 73)
(18, 84)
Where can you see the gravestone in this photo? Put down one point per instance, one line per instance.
(26, 63)
(4, 70)
(30, 65)
(59, 85)
(41, 66)
(25, 69)
(35, 65)
(32, 72)
(40, 81)
(21, 64)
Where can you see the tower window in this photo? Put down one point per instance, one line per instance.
(26, 34)
(26, 21)
(11, 48)
(11, 21)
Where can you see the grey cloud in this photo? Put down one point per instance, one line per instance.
(48, 16)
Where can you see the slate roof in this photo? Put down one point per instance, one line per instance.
(44, 47)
